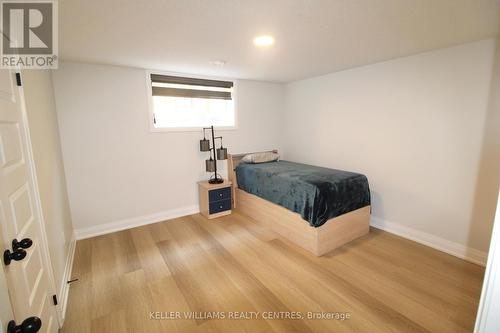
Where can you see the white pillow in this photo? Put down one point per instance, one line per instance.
(260, 157)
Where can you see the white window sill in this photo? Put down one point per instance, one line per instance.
(190, 129)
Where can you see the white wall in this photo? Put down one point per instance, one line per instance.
(415, 127)
(42, 118)
(117, 170)
(488, 178)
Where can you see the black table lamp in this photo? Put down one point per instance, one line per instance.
(217, 154)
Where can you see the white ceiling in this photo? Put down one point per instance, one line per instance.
(313, 37)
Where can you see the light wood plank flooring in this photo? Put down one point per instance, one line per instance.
(228, 265)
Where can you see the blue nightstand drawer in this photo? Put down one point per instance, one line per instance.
(219, 206)
(219, 194)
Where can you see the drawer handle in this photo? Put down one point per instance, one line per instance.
(220, 206)
(220, 194)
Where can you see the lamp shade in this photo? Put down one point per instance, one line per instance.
(204, 145)
(222, 153)
(210, 165)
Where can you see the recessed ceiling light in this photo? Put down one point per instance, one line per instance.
(218, 63)
(263, 41)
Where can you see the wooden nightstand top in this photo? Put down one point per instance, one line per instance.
(209, 186)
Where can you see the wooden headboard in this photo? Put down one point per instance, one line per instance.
(232, 162)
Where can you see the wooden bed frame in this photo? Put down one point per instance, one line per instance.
(290, 225)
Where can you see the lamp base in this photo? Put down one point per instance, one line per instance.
(216, 181)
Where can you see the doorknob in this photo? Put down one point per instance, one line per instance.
(17, 255)
(23, 244)
(29, 325)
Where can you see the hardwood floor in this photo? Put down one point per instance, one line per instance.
(231, 266)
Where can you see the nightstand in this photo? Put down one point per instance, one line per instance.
(215, 199)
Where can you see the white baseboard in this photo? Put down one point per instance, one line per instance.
(138, 221)
(64, 287)
(438, 243)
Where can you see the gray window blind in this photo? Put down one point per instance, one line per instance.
(190, 93)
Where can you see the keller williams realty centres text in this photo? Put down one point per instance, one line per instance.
(248, 315)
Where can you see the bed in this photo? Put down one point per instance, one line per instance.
(318, 209)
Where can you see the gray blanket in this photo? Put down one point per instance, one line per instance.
(317, 194)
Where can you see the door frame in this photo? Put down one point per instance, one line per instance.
(486, 319)
(43, 241)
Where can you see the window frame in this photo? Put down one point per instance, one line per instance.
(149, 90)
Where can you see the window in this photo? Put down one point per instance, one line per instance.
(182, 102)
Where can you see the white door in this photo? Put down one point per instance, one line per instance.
(5, 308)
(27, 278)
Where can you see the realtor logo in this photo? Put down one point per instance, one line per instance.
(29, 38)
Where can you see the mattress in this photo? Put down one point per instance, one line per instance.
(317, 194)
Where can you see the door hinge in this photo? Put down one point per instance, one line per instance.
(154, 119)
(54, 298)
(18, 79)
